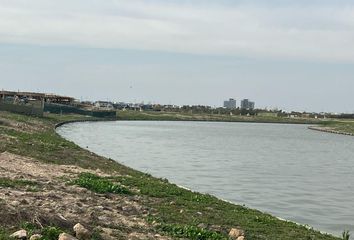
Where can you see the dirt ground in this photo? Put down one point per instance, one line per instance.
(52, 201)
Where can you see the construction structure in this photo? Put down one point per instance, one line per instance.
(27, 97)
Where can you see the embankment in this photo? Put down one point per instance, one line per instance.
(330, 130)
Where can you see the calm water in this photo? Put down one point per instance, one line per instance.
(286, 170)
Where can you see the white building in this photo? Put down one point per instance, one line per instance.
(103, 105)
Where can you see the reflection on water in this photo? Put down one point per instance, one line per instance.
(286, 170)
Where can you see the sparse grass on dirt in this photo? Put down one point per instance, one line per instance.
(14, 183)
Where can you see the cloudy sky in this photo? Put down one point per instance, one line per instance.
(287, 54)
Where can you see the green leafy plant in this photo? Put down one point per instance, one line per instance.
(191, 232)
(99, 184)
(50, 233)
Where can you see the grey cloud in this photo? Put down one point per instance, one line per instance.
(314, 31)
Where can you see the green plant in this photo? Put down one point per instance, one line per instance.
(4, 234)
(191, 232)
(29, 227)
(50, 233)
(99, 184)
(13, 183)
(345, 235)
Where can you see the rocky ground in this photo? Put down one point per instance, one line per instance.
(48, 199)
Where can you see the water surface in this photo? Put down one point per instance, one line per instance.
(286, 170)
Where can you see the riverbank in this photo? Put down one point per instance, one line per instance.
(336, 127)
(173, 116)
(64, 184)
(324, 125)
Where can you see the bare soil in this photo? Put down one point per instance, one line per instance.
(52, 201)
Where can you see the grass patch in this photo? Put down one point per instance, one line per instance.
(15, 183)
(341, 126)
(191, 232)
(48, 232)
(99, 184)
(187, 209)
(4, 235)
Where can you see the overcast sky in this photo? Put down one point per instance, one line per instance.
(294, 55)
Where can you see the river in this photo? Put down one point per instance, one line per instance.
(286, 170)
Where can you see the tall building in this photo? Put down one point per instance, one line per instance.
(247, 104)
(230, 104)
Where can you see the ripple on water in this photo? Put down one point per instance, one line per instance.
(286, 170)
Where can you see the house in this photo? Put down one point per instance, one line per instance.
(104, 105)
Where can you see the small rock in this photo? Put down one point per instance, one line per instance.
(15, 203)
(24, 202)
(36, 237)
(241, 238)
(22, 234)
(203, 226)
(65, 236)
(235, 233)
(100, 208)
(216, 228)
(128, 209)
(81, 232)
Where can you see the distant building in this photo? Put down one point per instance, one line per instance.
(230, 104)
(103, 105)
(247, 104)
(26, 97)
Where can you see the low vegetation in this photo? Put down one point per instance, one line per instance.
(340, 126)
(16, 183)
(99, 184)
(346, 235)
(191, 232)
(47, 233)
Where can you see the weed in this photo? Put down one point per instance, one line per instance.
(50, 233)
(4, 235)
(345, 235)
(191, 232)
(99, 185)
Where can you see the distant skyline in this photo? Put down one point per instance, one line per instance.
(278, 53)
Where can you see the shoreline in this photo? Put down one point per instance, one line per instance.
(329, 130)
(168, 211)
(189, 189)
